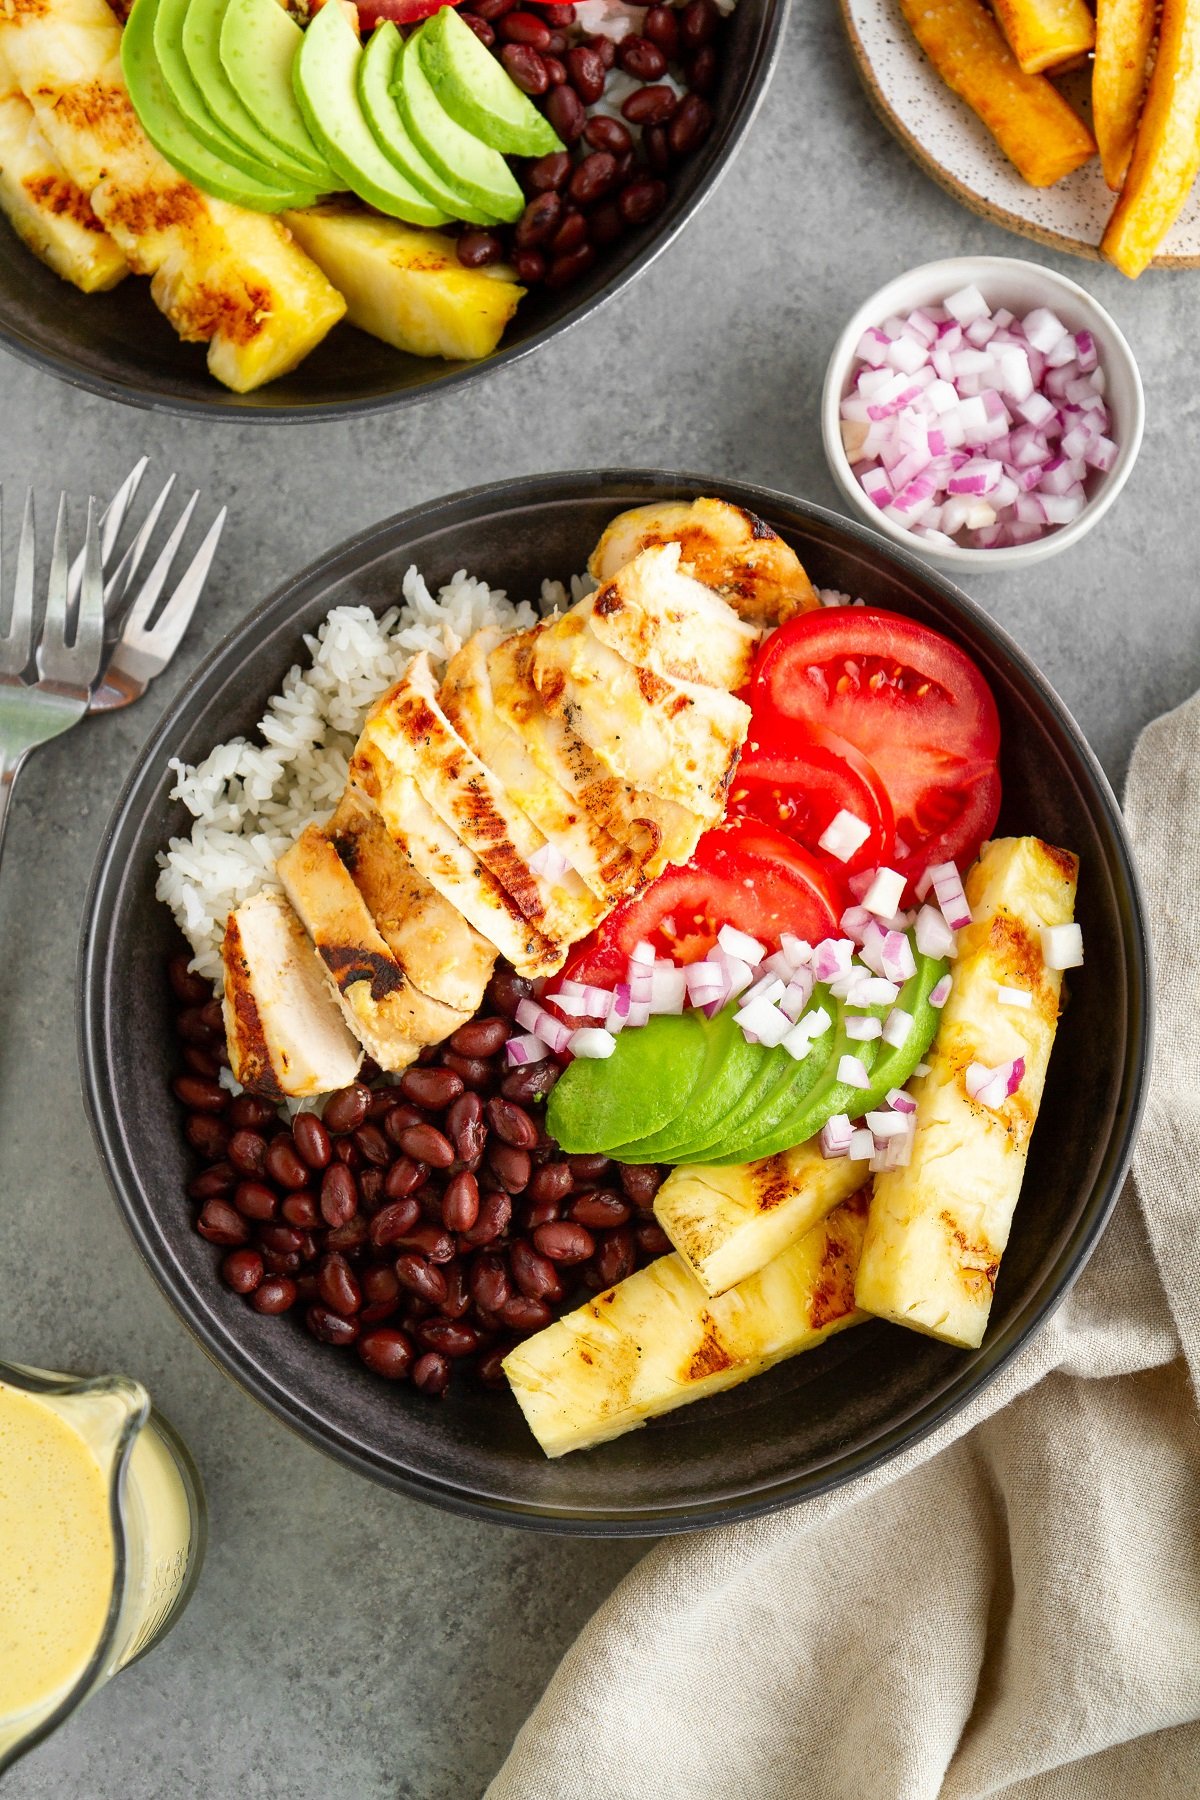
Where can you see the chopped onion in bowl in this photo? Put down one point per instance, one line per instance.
(952, 421)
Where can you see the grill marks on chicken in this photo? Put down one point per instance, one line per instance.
(553, 773)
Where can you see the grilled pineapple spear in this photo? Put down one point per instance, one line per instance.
(656, 1341)
(48, 211)
(728, 1221)
(937, 1229)
(223, 276)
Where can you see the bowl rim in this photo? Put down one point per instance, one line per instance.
(960, 1387)
(959, 269)
(226, 406)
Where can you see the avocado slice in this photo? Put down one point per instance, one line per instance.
(472, 168)
(478, 92)
(645, 1083)
(376, 72)
(201, 39)
(173, 137)
(182, 89)
(258, 44)
(784, 1100)
(774, 1066)
(324, 78)
(731, 1065)
(888, 1066)
(798, 1114)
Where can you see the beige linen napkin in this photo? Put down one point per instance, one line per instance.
(1011, 1608)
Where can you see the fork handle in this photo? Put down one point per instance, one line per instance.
(10, 768)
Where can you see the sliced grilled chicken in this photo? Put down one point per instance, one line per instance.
(673, 738)
(415, 733)
(608, 868)
(655, 831)
(222, 275)
(286, 1035)
(728, 549)
(446, 863)
(657, 617)
(446, 962)
(368, 982)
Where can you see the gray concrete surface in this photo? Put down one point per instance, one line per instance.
(345, 1642)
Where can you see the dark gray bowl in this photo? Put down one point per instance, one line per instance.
(119, 344)
(812, 1422)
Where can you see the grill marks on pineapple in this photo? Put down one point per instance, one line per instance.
(238, 316)
(833, 1296)
(978, 1264)
(57, 195)
(712, 1357)
(98, 106)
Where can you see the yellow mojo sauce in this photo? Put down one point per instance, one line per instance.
(56, 1553)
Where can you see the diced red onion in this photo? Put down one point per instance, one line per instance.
(797, 994)
(934, 936)
(896, 1027)
(885, 893)
(886, 1124)
(966, 304)
(526, 1049)
(549, 861)
(845, 834)
(544, 1025)
(836, 1135)
(941, 992)
(854, 922)
(569, 998)
(643, 953)
(592, 1041)
(705, 982)
(922, 1068)
(876, 990)
(861, 1028)
(994, 1086)
(619, 1008)
(1062, 946)
(831, 957)
(1011, 996)
(797, 950)
(948, 889)
(851, 1071)
(741, 945)
(639, 1013)
(668, 987)
(767, 1024)
(901, 1102)
(898, 962)
(862, 1145)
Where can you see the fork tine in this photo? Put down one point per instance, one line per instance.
(20, 627)
(89, 632)
(164, 636)
(111, 521)
(156, 580)
(54, 625)
(121, 579)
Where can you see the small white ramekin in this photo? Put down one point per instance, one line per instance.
(1020, 286)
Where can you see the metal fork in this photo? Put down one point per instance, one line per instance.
(31, 713)
(67, 685)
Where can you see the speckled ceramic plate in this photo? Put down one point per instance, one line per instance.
(942, 133)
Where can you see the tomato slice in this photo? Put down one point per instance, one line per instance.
(911, 702)
(400, 12)
(798, 778)
(744, 874)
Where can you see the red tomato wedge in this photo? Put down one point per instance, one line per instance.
(798, 778)
(742, 874)
(400, 12)
(911, 702)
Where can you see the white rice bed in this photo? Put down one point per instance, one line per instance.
(252, 797)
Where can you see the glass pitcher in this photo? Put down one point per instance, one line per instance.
(123, 1547)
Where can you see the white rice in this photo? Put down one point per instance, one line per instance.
(251, 798)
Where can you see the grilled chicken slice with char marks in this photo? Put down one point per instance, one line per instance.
(447, 964)
(673, 738)
(365, 977)
(608, 868)
(410, 727)
(660, 619)
(285, 1033)
(730, 550)
(655, 831)
(446, 863)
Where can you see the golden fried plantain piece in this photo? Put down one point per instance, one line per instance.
(1045, 34)
(1034, 126)
(1124, 36)
(1166, 151)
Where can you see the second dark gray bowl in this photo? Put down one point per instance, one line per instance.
(119, 344)
(812, 1422)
